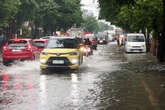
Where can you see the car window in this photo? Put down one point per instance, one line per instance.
(135, 39)
(39, 43)
(13, 44)
(31, 42)
(62, 43)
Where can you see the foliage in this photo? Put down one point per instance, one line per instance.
(25, 32)
(8, 10)
(50, 15)
(27, 11)
(103, 26)
(70, 14)
(133, 16)
(138, 15)
(90, 24)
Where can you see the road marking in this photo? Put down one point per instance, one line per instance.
(153, 100)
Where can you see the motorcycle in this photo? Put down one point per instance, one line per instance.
(94, 45)
(87, 50)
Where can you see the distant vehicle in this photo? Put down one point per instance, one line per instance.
(40, 43)
(94, 44)
(88, 46)
(61, 52)
(47, 37)
(102, 38)
(135, 43)
(19, 49)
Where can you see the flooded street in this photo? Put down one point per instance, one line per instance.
(108, 80)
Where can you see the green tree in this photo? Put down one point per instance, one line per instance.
(50, 15)
(8, 10)
(70, 14)
(103, 26)
(90, 24)
(135, 15)
(58, 15)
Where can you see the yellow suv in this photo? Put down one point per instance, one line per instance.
(61, 52)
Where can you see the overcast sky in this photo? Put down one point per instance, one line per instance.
(89, 1)
(91, 5)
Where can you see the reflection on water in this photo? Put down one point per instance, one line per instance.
(12, 91)
(74, 90)
(5, 81)
(43, 90)
(23, 86)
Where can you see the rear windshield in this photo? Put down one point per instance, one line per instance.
(40, 43)
(15, 44)
(62, 43)
(135, 39)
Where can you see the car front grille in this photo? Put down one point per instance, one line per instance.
(66, 61)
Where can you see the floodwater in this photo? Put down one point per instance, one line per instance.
(108, 80)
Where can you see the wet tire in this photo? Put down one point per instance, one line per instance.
(5, 63)
(43, 71)
(33, 57)
(82, 60)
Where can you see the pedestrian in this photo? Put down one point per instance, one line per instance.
(118, 42)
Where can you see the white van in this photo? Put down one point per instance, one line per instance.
(135, 43)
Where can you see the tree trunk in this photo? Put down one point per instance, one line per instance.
(153, 47)
(148, 45)
(161, 45)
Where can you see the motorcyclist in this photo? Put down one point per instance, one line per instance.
(94, 44)
(88, 43)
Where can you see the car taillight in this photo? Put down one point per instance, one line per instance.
(29, 47)
(4, 48)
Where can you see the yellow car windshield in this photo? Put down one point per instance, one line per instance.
(62, 43)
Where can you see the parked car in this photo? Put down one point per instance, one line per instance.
(19, 49)
(40, 43)
(135, 43)
(61, 52)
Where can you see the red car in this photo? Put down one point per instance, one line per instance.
(19, 49)
(40, 43)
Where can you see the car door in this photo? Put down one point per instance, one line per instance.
(35, 50)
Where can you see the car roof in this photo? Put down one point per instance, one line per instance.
(15, 39)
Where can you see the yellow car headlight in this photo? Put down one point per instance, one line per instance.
(82, 49)
(43, 61)
(74, 61)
